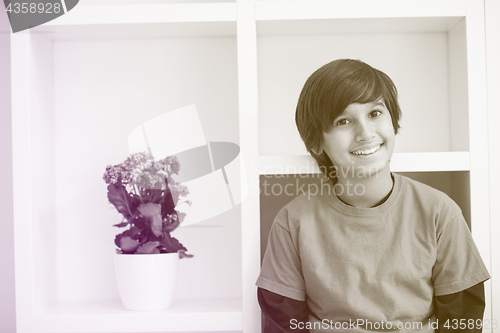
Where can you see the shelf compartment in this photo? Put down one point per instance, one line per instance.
(400, 162)
(425, 56)
(278, 190)
(75, 102)
(189, 315)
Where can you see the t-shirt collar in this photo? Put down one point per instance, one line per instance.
(337, 203)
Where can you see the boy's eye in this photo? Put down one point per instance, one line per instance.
(342, 122)
(375, 113)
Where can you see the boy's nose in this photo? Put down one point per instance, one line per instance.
(364, 132)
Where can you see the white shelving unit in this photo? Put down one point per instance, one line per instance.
(492, 9)
(81, 83)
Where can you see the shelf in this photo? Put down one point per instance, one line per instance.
(350, 26)
(401, 162)
(103, 15)
(143, 2)
(291, 10)
(143, 21)
(189, 315)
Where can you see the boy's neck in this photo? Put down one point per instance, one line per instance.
(365, 192)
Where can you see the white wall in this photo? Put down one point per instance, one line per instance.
(7, 298)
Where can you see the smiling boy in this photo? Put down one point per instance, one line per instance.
(397, 255)
(361, 143)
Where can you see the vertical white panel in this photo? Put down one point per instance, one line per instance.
(478, 140)
(237, 179)
(492, 10)
(459, 103)
(43, 169)
(22, 181)
(247, 83)
(7, 300)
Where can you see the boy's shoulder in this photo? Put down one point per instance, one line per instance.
(303, 206)
(308, 200)
(426, 195)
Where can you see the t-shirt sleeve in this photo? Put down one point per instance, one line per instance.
(465, 305)
(281, 271)
(279, 311)
(458, 263)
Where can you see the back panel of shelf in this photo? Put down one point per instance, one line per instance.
(425, 57)
(279, 190)
(86, 95)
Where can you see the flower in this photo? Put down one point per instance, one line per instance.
(143, 191)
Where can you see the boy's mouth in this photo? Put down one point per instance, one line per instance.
(367, 151)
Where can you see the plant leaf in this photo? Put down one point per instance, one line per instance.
(156, 224)
(149, 248)
(132, 233)
(128, 245)
(183, 254)
(172, 226)
(167, 204)
(152, 212)
(117, 195)
(181, 216)
(171, 244)
(149, 209)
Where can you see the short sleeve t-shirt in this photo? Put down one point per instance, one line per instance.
(371, 268)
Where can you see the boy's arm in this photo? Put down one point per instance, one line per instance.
(279, 311)
(467, 304)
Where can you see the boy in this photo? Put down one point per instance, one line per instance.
(380, 251)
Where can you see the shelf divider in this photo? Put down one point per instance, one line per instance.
(249, 129)
(22, 178)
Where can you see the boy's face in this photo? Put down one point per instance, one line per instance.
(361, 141)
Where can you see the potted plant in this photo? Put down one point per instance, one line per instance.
(144, 192)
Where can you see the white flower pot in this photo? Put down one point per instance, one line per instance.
(147, 282)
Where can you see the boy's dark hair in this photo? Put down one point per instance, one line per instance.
(329, 91)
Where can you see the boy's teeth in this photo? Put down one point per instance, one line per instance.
(366, 151)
